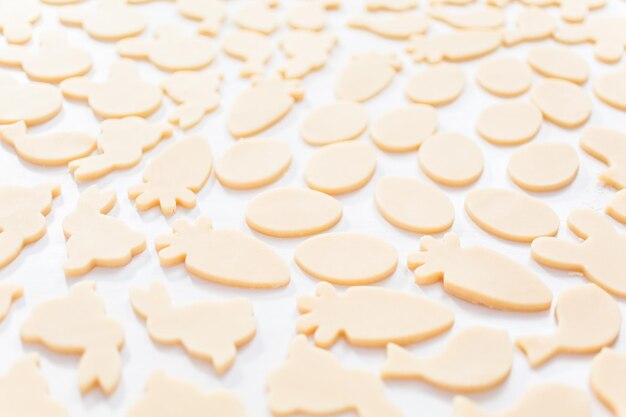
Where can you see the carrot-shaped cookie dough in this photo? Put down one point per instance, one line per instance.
(395, 26)
(95, 239)
(475, 359)
(562, 102)
(8, 294)
(478, 275)
(608, 380)
(22, 221)
(196, 93)
(363, 316)
(609, 146)
(111, 20)
(38, 102)
(310, 14)
(390, 5)
(532, 24)
(226, 256)
(17, 18)
(306, 51)
(607, 32)
(480, 18)
(459, 45)
(366, 75)
(123, 94)
(257, 15)
(77, 324)
(600, 257)
(610, 88)
(314, 382)
(209, 330)
(210, 13)
(588, 319)
(254, 49)
(617, 206)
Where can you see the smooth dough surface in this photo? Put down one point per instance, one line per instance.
(257, 15)
(608, 382)
(611, 88)
(546, 166)
(253, 48)
(110, 20)
(30, 102)
(532, 24)
(479, 18)
(562, 102)
(607, 32)
(210, 13)
(8, 294)
(366, 75)
(609, 146)
(509, 122)
(451, 159)
(504, 76)
(405, 128)
(334, 122)
(306, 51)
(390, 5)
(310, 15)
(399, 25)
(558, 62)
(617, 206)
(17, 19)
(436, 85)
(456, 45)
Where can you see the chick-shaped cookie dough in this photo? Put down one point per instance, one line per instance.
(17, 18)
(209, 330)
(95, 239)
(196, 93)
(8, 294)
(170, 50)
(254, 49)
(366, 75)
(123, 94)
(607, 32)
(310, 14)
(609, 146)
(314, 382)
(257, 15)
(174, 176)
(478, 275)
(38, 102)
(77, 324)
(608, 380)
(475, 359)
(210, 13)
(111, 20)
(395, 26)
(22, 217)
(611, 88)
(588, 319)
(226, 256)
(306, 51)
(458, 45)
(600, 257)
(531, 24)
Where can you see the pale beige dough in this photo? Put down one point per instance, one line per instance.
(306, 51)
(451, 2)
(571, 10)
(561, 102)
(451, 159)
(253, 48)
(110, 20)
(8, 294)
(611, 88)
(210, 13)
(334, 122)
(30, 102)
(588, 319)
(362, 315)
(436, 85)
(390, 5)
(366, 75)
(413, 205)
(22, 217)
(310, 14)
(226, 256)
(347, 258)
(607, 32)
(478, 275)
(405, 128)
(484, 355)
(209, 330)
(314, 382)
(617, 207)
(196, 93)
(609, 146)
(17, 19)
(532, 24)
(77, 324)
(608, 380)
(509, 122)
(558, 62)
(400, 25)
(480, 18)
(174, 176)
(253, 163)
(257, 15)
(511, 215)
(504, 76)
(599, 257)
(547, 166)
(457, 45)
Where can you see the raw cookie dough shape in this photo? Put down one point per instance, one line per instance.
(95, 239)
(209, 330)
(400, 25)
(504, 76)
(292, 212)
(253, 163)
(451, 159)
(362, 315)
(413, 205)
(22, 221)
(480, 18)
(437, 85)
(607, 32)
(38, 102)
(562, 102)
(8, 294)
(611, 88)
(262, 105)
(558, 62)
(600, 257)
(77, 324)
(390, 5)
(123, 94)
(617, 207)
(257, 15)
(588, 319)
(195, 93)
(334, 122)
(571, 10)
(366, 75)
(607, 378)
(254, 49)
(475, 359)
(166, 396)
(226, 256)
(509, 122)
(306, 51)
(478, 275)
(48, 149)
(609, 146)
(404, 128)
(111, 20)
(17, 19)
(548, 166)
(170, 50)
(314, 382)
(210, 13)
(532, 24)
(347, 258)
(341, 167)
(310, 14)
(458, 45)
(121, 144)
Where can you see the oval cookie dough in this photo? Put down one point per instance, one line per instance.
(558, 62)
(405, 128)
(509, 122)
(561, 102)
(504, 76)
(451, 159)
(334, 122)
(437, 85)
(544, 166)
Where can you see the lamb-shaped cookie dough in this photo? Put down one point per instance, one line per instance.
(38, 102)
(257, 15)
(611, 88)
(366, 75)
(395, 26)
(532, 24)
(310, 14)
(608, 380)
(174, 176)
(607, 32)
(588, 319)
(210, 13)
(600, 257)
(609, 146)
(95, 239)
(475, 359)
(390, 5)
(8, 294)
(196, 93)
(478, 275)
(306, 51)
(209, 330)
(111, 20)
(17, 18)
(314, 382)
(459, 45)
(123, 94)
(77, 324)
(22, 221)
(171, 50)
(226, 256)
(480, 18)
(363, 315)
(254, 49)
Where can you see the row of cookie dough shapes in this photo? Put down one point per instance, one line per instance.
(390, 5)
(562, 102)
(608, 146)
(333, 122)
(196, 95)
(347, 258)
(399, 26)
(253, 48)
(588, 319)
(532, 24)
(314, 382)
(174, 176)
(8, 294)
(38, 102)
(558, 62)
(436, 85)
(475, 359)
(22, 217)
(617, 207)
(110, 20)
(226, 256)
(479, 18)
(542, 167)
(17, 19)
(504, 76)
(257, 15)
(608, 370)
(310, 15)
(458, 45)
(77, 324)
(610, 88)
(404, 129)
(608, 33)
(451, 159)
(366, 75)
(599, 257)
(209, 330)
(509, 122)
(306, 52)
(573, 11)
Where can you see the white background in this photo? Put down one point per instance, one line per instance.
(40, 266)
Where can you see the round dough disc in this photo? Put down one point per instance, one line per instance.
(436, 85)
(544, 166)
(451, 159)
(334, 122)
(405, 128)
(509, 122)
(504, 76)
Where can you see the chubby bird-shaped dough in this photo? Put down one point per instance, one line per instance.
(257, 15)
(196, 93)
(306, 51)
(532, 24)
(253, 48)
(608, 380)
(210, 13)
